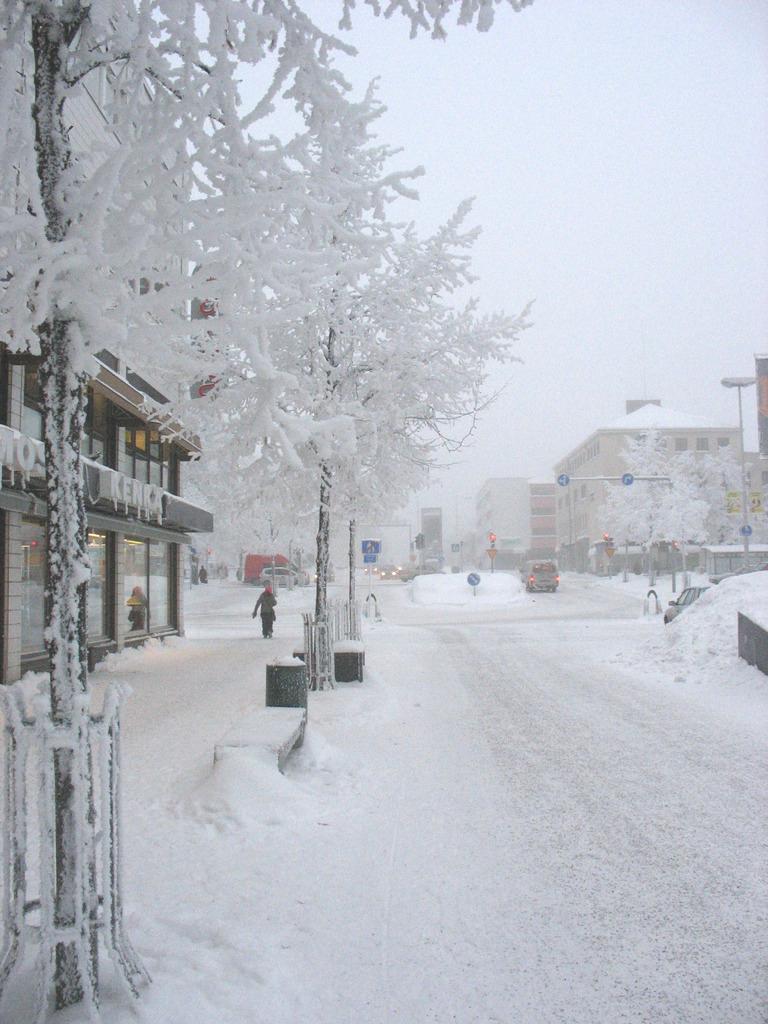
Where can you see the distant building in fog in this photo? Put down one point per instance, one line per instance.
(581, 505)
(522, 514)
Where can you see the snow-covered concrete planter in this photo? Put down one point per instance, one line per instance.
(348, 660)
(271, 734)
(286, 683)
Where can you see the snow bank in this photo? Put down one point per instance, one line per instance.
(701, 644)
(496, 588)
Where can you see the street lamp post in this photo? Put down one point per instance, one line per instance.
(740, 383)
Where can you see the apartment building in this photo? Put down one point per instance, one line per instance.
(581, 505)
(522, 514)
(543, 519)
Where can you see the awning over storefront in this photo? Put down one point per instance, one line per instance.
(135, 528)
(177, 512)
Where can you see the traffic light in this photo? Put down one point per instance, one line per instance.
(492, 539)
(608, 539)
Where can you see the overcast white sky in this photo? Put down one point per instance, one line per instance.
(618, 150)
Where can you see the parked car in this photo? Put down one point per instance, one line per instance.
(540, 575)
(719, 577)
(255, 565)
(280, 576)
(303, 579)
(686, 599)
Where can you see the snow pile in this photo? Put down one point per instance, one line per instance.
(494, 588)
(701, 644)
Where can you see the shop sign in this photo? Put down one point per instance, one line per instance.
(732, 502)
(20, 454)
(128, 492)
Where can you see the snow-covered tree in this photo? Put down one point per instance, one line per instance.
(175, 180)
(382, 361)
(690, 507)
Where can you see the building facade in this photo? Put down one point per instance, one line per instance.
(503, 507)
(581, 505)
(522, 514)
(137, 519)
(543, 520)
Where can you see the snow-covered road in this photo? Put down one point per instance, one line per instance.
(503, 824)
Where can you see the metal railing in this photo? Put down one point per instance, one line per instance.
(31, 749)
(342, 622)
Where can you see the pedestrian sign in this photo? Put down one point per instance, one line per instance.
(371, 547)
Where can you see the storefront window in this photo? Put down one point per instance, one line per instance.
(135, 584)
(147, 588)
(32, 586)
(159, 584)
(96, 594)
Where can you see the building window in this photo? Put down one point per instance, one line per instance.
(143, 456)
(723, 442)
(95, 433)
(32, 408)
(702, 444)
(32, 586)
(160, 562)
(97, 591)
(135, 583)
(764, 477)
(147, 588)
(681, 444)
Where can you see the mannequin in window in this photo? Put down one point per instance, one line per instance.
(137, 604)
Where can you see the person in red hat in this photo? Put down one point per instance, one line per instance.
(266, 604)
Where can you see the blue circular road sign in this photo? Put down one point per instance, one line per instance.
(746, 530)
(563, 479)
(473, 579)
(627, 479)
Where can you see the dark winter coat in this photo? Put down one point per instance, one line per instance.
(266, 603)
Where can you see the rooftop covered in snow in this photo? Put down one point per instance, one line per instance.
(656, 417)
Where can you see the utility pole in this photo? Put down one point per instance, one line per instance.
(740, 383)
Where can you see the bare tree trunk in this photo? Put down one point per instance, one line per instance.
(74, 896)
(323, 542)
(352, 536)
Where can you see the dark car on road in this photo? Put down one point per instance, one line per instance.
(540, 575)
(686, 599)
